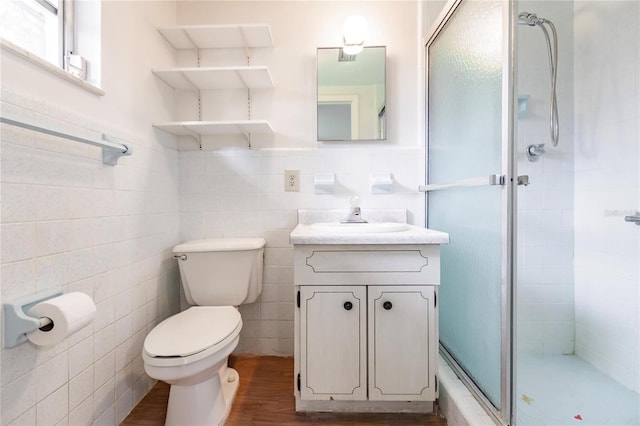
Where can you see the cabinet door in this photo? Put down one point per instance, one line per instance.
(401, 352)
(333, 342)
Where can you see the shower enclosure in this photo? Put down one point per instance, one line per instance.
(534, 170)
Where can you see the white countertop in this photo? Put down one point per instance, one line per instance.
(306, 234)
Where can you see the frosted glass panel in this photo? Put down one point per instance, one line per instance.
(465, 68)
(465, 141)
(470, 290)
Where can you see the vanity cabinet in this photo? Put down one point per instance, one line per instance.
(400, 324)
(333, 344)
(366, 327)
(353, 333)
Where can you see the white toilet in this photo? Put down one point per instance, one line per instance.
(190, 350)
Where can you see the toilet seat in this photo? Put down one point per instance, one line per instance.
(191, 335)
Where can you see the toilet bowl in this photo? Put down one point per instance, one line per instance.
(190, 350)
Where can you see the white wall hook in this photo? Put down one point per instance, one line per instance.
(381, 183)
(324, 183)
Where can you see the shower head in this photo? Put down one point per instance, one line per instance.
(531, 19)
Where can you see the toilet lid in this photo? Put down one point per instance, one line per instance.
(192, 331)
(220, 244)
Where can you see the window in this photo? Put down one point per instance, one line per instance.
(47, 29)
(36, 26)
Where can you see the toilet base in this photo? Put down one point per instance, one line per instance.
(229, 391)
(206, 403)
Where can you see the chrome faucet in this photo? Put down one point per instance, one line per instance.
(355, 215)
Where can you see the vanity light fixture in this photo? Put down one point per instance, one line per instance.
(353, 34)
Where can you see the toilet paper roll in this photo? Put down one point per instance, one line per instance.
(69, 313)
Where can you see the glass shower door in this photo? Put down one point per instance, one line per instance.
(469, 191)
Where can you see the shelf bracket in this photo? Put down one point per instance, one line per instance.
(248, 104)
(239, 74)
(246, 45)
(247, 136)
(191, 83)
(195, 135)
(186, 34)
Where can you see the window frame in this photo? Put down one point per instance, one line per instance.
(63, 13)
(66, 33)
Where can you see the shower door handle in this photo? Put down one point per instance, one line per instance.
(479, 181)
(633, 218)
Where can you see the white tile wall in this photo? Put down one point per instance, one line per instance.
(298, 29)
(545, 208)
(69, 221)
(226, 193)
(577, 290)
(241, 193)
(607, 187)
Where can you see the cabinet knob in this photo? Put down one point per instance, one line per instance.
(387, 305)
(348, 305)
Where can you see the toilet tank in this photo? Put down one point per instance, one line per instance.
(221, 271)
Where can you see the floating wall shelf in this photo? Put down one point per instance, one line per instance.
(213, 78)
(218, 36)
(219, 77)
(209, 128)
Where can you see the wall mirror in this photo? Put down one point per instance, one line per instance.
(351, 94)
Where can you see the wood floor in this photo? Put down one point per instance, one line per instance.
(265, 397)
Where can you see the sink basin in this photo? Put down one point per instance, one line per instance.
(359, 228)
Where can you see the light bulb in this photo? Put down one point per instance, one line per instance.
(354, 34)
(352, 49)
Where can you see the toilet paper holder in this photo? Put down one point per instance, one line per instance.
(17, 323)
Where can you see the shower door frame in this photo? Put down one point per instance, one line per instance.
(505, 415)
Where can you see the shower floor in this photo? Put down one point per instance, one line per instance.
(565, 390)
